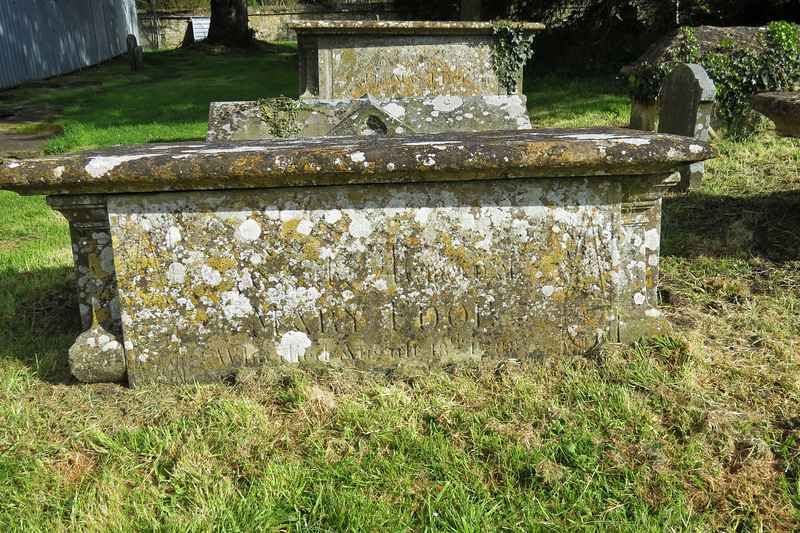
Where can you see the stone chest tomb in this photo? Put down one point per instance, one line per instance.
(196, 259)
(348, 59)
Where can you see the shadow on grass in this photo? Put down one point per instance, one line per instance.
(766, 226)
(41, 320)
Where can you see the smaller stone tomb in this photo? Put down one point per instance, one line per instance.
(282, 117)
(348, 59)
(196, 259)
(783, 108)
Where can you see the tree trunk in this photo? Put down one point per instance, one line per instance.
(229, 23)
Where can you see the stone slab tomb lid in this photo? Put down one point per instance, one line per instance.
(390, 27)
(348, 160)
(783, 108)
(368, 115)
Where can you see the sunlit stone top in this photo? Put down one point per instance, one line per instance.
(399, 27)
(350, 160)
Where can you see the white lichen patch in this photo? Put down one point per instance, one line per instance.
(235, 305)
(304, 227)
(248, 231)
(293, 346)
(291, 214)
(173, 236)
(107, 261)
(176, 273)
(395, 110)
(332, 216)
(360, 227)
(210, 276)
(652, 239)
(357, 157)
(101, 165)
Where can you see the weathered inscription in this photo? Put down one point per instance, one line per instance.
(394, 74)
(394, 67)
(360, 275)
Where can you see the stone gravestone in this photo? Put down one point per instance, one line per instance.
(138, 59)
(687, 99)
(135, 54)
(131, 44)
(383, 78)
(197, 259)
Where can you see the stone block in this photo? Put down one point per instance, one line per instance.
(397, 59)
(365, 116)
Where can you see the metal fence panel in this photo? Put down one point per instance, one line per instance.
(42, 38)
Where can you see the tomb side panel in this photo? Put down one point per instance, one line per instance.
(365, 276)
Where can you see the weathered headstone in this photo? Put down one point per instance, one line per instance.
(687, 101)
(644, 115)
(131, 45)
(196, 259)
(783, 108)
(138, 59)
(348, 59)
(281, 117)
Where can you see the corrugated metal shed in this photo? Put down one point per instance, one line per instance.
(198, 28)
(42, 38)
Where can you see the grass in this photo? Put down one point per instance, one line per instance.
(561, 102)
(697, 431)
(167, 102)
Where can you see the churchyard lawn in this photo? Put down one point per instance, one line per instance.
(696, 431)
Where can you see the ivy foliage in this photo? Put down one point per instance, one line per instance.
(738, 72)
(511, 51)
(280, 113)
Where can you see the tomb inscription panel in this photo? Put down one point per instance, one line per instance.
(364, 276)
